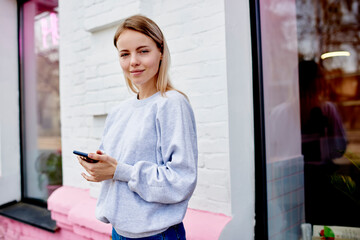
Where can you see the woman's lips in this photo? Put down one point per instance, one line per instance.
(136, 72)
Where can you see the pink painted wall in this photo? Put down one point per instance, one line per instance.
(14, 230)
(74, 211)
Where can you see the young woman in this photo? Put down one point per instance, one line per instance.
(148, 155)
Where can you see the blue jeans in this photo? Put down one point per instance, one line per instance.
(176, 232)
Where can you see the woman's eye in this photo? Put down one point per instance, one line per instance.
(144, 51)
(124, 54)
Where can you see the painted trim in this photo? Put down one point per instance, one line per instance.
(241, 128)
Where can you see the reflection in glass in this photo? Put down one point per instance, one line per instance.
(41, 107)
(330, 104)
(311, 82)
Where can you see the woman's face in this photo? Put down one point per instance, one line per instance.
(139, 58)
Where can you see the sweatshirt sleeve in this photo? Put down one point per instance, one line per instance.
(174, 179)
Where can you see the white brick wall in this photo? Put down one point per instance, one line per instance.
(91, 81)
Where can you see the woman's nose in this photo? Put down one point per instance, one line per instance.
(134, 61)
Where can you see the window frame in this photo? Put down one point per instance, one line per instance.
(261, 209)
(25, 210)
(22, 106)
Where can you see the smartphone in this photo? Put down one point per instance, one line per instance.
(82, 154)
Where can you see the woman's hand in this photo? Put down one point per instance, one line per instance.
(100, 171)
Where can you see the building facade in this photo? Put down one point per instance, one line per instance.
(276, 120)
(91, 83)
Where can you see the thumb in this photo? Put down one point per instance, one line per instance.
(97, 156)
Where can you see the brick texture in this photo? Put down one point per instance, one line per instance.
(91, 82)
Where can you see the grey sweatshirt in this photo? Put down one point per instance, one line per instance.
(154, 141)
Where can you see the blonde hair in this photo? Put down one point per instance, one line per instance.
(149, 28)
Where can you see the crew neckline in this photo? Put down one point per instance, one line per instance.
(141, 102)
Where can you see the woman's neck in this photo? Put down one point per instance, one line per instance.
(146, 92)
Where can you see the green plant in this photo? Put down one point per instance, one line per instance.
(50, 166)
(345, 183)
(327, 234)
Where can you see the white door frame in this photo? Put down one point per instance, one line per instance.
(10, 175)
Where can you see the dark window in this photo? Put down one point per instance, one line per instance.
(309, 70)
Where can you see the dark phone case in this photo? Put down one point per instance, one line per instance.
(82, 154)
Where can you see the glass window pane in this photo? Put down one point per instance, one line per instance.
(41, 106)
(328, 36)
(310, 52)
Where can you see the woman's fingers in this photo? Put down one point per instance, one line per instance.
(81, 160)
(89, 178)
(97, 172)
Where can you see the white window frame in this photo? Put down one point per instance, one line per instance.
(10, 175)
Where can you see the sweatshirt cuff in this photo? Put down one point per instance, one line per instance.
(123, 172)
